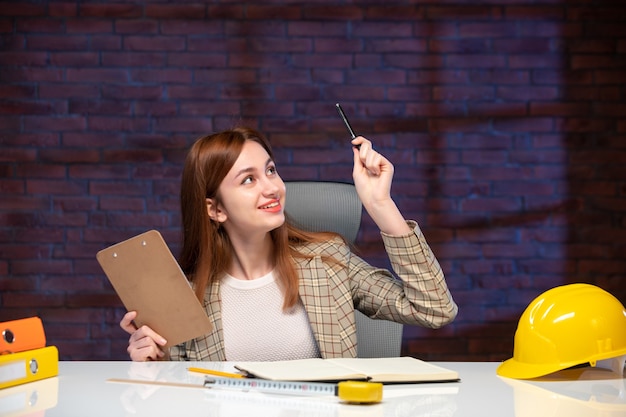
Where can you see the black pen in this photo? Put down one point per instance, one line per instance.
(346, 122)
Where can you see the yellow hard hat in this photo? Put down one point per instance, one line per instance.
(565, 326)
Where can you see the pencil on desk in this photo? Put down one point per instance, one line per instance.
(215, 373)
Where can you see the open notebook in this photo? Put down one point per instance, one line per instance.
(385, 370)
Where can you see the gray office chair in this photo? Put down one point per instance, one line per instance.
(335, 206)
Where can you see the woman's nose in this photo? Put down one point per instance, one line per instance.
(272, 186)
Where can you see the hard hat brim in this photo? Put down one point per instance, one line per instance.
(518, 370)
(512, 368)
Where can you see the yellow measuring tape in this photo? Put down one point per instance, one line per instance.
(354, 392)
(360, 392)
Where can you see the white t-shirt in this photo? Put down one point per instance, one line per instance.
(255, 326)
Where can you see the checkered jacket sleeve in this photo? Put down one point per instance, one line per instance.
(415, 293)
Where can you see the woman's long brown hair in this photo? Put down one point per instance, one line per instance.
(207, 251)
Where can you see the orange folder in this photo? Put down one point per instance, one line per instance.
(20, 335)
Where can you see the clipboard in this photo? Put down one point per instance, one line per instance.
(148, 280)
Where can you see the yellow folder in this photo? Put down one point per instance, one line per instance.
(30, 365)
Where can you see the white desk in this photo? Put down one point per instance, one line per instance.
(81, 390)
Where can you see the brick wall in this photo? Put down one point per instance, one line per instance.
(505, 121)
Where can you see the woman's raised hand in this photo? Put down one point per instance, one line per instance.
(372, 174)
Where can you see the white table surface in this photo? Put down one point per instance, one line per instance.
(81, 389)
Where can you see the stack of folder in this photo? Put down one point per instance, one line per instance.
(24, 356)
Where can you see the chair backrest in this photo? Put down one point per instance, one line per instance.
(336, 207)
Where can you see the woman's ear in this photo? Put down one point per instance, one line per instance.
(215, 212)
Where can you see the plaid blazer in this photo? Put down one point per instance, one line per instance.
(331, 291)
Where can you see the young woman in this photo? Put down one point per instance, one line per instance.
(272, 291)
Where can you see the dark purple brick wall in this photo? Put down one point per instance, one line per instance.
(505, 121)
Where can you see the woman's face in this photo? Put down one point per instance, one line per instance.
(252, 195)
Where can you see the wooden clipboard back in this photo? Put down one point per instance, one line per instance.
(148, 280)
